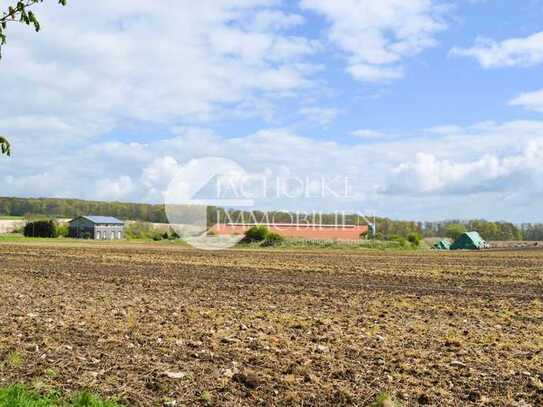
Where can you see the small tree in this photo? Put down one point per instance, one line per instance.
(256, 234)
(454, 230)
(63, 230)
(414, 239)
(41, 228)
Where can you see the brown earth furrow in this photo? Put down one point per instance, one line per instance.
(273, 327)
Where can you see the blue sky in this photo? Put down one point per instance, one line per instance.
(432, 109)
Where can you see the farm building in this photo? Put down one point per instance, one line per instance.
(444, 244)
(469, 241)
(301, 231)
(96, 227)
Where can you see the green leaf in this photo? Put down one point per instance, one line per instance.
(5, 147)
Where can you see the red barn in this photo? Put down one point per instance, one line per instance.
(301, 231)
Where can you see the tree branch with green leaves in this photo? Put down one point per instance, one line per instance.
(19, 12)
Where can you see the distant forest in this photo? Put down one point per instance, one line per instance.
(69, 208)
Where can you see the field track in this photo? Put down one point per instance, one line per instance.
(151, 324)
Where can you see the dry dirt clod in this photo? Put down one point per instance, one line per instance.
(176, 375)
(423, 399)
(473, 396)
(229, 340)
(248, 379)
(228, 373)
(152, 384)
(321, 349)
(310, 378)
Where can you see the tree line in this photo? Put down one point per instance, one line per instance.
(70, 208)
(453, 228)
(386, 228)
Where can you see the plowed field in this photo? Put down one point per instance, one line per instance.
(154, 325)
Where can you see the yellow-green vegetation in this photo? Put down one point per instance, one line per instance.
(385, 400)
(14, 359)
(20, 396)
(394, 244)
(17, 238)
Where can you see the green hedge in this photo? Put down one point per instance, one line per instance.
(41, 228)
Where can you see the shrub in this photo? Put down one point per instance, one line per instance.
(171, 235)
(63, 230)
(140, 230)
(273, 239)
(256, 234)
(402, 241)
(414, 239)
(41, 228)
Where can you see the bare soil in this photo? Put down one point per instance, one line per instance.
(155, 325)
(516, 244)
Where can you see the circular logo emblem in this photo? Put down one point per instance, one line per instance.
(195, 195)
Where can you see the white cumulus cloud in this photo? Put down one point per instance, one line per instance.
(398, 176)
(524, 51)
(529, 100)
(108, 63)
(376, 35)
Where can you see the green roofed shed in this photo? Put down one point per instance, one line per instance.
(444, 244)
(469, 241)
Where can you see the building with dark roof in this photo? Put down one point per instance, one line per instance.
(97, 227)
